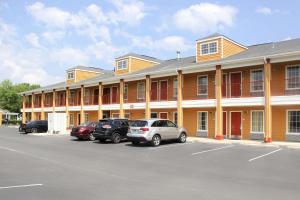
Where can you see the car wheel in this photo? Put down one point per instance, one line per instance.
(182, 138)
(156, 140)
(116, 138)
(91, 137)
(135, 142)
(34, 130)
(102, 140)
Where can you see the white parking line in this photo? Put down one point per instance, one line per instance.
(20, 186)
(252, 159)
(216, 149)
(169, 145)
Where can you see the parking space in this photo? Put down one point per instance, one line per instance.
(60, 167)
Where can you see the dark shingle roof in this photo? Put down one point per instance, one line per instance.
(80, 67)
(140, 56)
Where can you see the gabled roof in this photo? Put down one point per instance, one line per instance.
(258, 52)
(144, 57)
(80, 67)
(218, 35)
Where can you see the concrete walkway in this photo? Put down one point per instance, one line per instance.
(293, 145)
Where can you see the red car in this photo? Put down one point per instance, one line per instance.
(84, 131)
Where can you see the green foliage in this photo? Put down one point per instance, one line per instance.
(10, 99)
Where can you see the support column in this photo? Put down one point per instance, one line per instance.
(179, 99)
(219, 110)
(147, 109)
(53, 101)
(81, 105)
(268, 108)
(43, 106)
(100, 112)
(67, 106)
(122, 113)
(32, 107)
(24, 107)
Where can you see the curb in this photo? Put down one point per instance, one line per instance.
(290, 145)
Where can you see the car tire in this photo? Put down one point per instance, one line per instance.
(34, 130)
(116, 138)
(135, 142)
(91, 137)
(182, 138)
(155, 140)
(102, 140)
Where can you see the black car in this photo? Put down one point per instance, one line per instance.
(112, 129)
(36, 126)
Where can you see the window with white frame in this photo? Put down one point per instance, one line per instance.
(125, 91)
(293, 77)
(141, 91)
(202, 85)
(71, 120)
(294, 121)
(122, 64)
(86, 117)
(175, 118)
(70, 75)
(154, 115)
(175, 87)
(209, 48)
(257, 121)
(202, 121)
(257, 80)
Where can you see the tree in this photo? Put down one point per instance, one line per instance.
(10, 98)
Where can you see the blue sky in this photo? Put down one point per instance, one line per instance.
(39, 40)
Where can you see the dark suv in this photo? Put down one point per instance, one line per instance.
(37, 126)
(113, 129)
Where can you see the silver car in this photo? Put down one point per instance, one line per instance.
(154, 131)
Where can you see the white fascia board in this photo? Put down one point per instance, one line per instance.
(91, 108)
(60, 108)
(285, 100)
(242, 102)
(74, 108)
(110, 107)
(205, 103)
(163, 104)
(134, 106)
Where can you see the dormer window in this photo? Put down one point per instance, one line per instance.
(70, 75)
(209, 48)
(122, 64)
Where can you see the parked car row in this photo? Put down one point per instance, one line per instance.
(151, 131)
(147, 131)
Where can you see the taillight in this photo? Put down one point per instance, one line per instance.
(144, 129)
(106, 126)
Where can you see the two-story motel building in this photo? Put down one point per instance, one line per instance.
(226, 90)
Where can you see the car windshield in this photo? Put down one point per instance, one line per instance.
(138, 123)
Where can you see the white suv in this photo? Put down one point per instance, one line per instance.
(154, 131)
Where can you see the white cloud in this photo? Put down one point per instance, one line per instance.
(51, 16)
(68, 56)
(205, 17)
(53, 36)
(128, 12)
(33, 40)
(169, 43)
(268, 11)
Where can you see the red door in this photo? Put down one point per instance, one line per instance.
(235, 88)
(106, 96)
(224, 123)
(224, 85)
(154, 91)
(96, 95)
(236, 119)
(114, 95)
(163, 115)
(163, 90)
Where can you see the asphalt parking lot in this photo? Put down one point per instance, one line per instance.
(60, 167)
